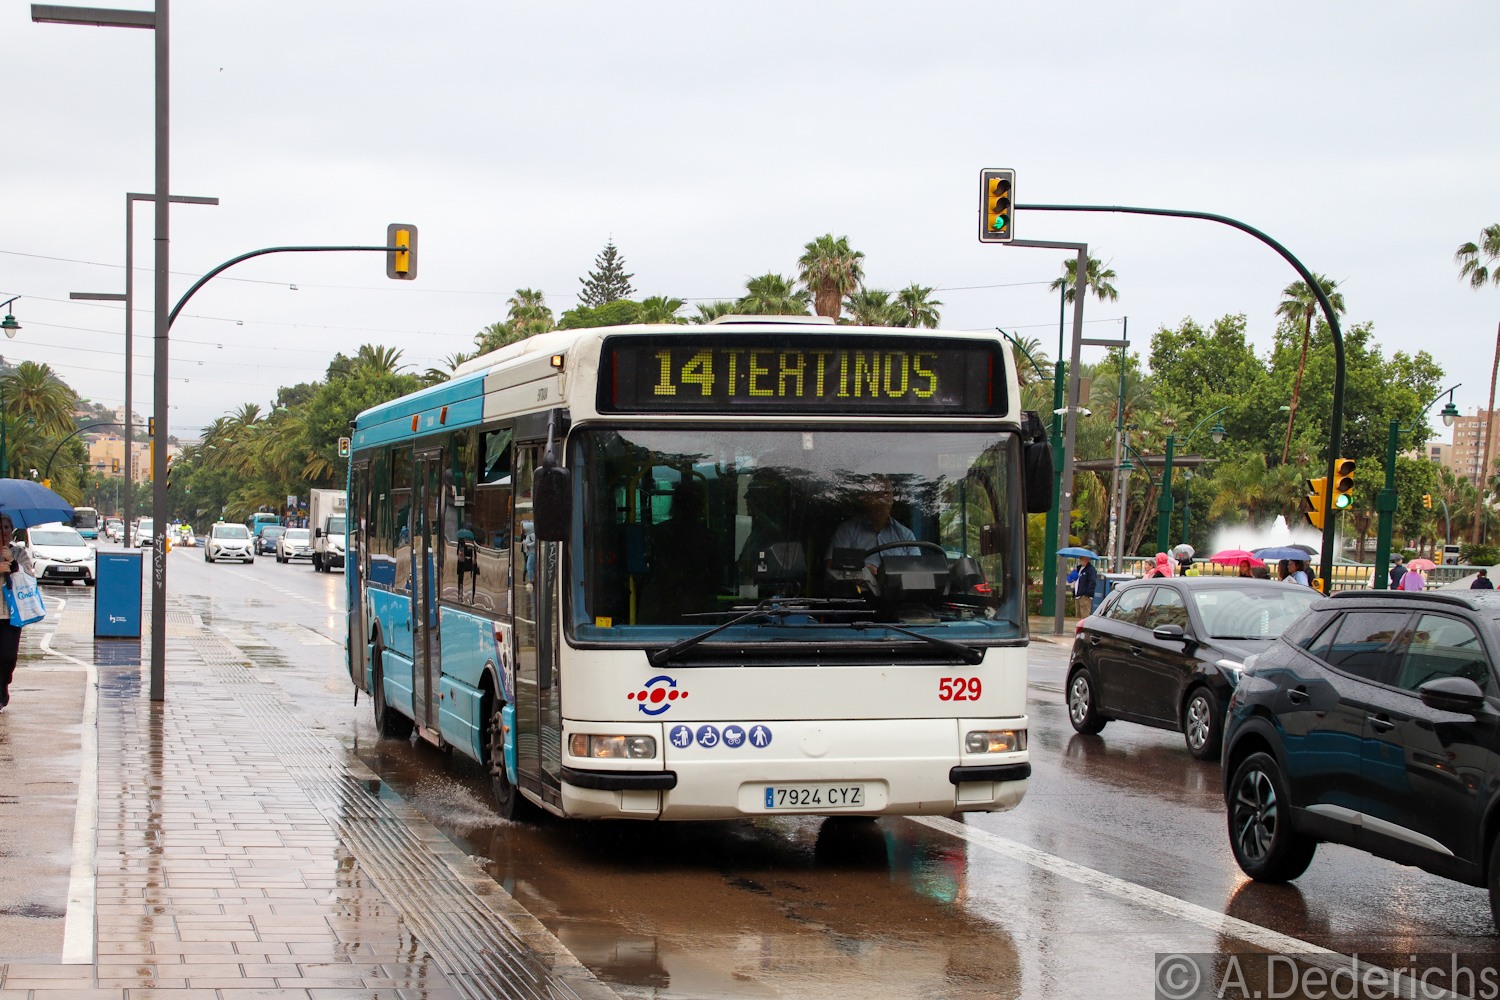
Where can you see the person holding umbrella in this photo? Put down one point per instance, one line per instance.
(16, 559)
(1084, 586)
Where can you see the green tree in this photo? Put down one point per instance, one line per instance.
(34, 393)
(918, 307)
(1097, 276)
(620, 312)
(1299, 302)
(661, 309)
(709, 311)
(829, 269)
(528, 314)
(872, 307)
(772, 295)
(608, 281)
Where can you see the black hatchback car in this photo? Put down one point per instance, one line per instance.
(1375, 723)
(1167, 652)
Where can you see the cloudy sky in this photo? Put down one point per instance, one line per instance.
(711, 141)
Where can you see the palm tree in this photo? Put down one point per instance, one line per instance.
(1096, 275)
(708, 311)
(370, 359)
(829, 269)
(34, 391)
(661, 309)
(1469, 266)
(872, 307)
(772, 295)
(1298, 301)
(918, 307)
(528, 313)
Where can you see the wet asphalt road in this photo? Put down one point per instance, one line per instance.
(1117, 854)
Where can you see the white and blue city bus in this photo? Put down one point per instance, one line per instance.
(766, 565)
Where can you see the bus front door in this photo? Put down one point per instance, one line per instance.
(426, 545)
(538, 707)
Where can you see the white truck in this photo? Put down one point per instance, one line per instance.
(326, 514)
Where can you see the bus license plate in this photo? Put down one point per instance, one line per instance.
(820, 796)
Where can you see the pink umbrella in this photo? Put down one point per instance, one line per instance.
(1425, 565)
(1233, 557)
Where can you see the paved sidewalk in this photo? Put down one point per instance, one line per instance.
(217, 845)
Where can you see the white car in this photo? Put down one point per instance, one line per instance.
(60, 554)
(145, 531)
(228, 541)
(114, 529)
(294, 543)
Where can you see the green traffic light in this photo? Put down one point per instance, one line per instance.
(999, 223)
(1342, 501)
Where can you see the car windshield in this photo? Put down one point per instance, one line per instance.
(1258, 613)
(62, 538)
(335, 526)
(683, 529)
(272, 531)
(298, 535)
(231, 531)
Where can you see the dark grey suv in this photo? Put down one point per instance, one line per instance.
(1374, 722)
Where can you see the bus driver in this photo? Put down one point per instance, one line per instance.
(873, 527)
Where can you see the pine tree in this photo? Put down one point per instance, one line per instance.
(609, 282)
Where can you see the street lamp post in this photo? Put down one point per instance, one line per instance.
(1385, 500)
(10, 326)
(1164, 504)
(129, 299)
(157, 21)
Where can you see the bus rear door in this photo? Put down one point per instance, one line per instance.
(425, 554)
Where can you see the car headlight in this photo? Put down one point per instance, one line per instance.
(995, 741)
(615, 747)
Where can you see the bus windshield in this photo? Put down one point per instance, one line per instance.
(684, 529)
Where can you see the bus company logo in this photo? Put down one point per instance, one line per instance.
(656, 695)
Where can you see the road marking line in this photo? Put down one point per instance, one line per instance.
(78, 924)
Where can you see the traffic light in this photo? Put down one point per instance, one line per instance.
(1315, 502)
(1343, 483)
(401, 264)
(997, 194)
(114, 465)
(169, 470)
(1427, 500)
(343, 447)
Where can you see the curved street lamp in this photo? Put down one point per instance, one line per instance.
(10, 326)
(1164, 504)
(1386, 499)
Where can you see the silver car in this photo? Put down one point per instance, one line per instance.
(60, 554)
(294, 543)
(229, 541)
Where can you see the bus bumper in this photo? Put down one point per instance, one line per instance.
(849, 767)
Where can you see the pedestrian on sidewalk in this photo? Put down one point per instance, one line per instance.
(16, 559)
(1163, 566)
(1084, 585)
(1482, 581)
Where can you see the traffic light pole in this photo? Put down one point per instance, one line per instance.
(1385, 511)
(1336, 424)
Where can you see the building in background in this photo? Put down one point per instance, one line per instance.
(1469, 446)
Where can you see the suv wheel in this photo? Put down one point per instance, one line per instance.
(1260, 823)
(1202, 724)
(1083, 713)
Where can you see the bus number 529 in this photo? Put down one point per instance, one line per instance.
(959, 689)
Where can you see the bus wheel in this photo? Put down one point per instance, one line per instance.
(509, 801)
(388, 721)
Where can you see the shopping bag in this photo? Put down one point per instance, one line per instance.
(24, 599)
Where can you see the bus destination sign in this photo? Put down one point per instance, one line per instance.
(914, 376)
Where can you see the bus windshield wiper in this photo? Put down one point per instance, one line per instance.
(968, 654)
(769, 608)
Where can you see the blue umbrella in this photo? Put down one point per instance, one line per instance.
(30, 503)
(1275, 552)
(1075, 551)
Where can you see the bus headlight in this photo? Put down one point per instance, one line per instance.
(616, 747)
(995, 741)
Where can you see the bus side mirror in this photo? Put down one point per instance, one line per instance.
(1036, 462)
(552, 503)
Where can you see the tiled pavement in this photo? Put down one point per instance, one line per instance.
(238, 851)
